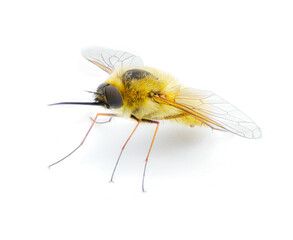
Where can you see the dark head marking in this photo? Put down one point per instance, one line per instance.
(134, 74)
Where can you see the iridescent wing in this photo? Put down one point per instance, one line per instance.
(110, 60)
(213, 111)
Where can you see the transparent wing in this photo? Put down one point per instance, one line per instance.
(110, 60)
(213, 111)
(220, 111)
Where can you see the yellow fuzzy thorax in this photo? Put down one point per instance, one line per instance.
(136, 96)
(137, 100)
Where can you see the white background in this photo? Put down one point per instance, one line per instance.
(200, 184)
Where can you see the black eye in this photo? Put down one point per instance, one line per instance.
(101, 86)
(113, 96)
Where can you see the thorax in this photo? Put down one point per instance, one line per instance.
(138, 85)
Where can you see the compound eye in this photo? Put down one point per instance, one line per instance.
(113, 97)
(102, 85)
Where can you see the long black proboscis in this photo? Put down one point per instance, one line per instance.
(77, 103)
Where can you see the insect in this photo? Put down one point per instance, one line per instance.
(146, 94)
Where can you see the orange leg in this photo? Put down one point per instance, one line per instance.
(94, 121)
(138, 122)
(146, 161)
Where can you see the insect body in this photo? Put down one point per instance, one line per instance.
(146, 94)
